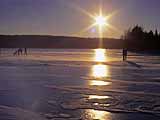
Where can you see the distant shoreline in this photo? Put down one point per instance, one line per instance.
(43, 41)
(62, 42)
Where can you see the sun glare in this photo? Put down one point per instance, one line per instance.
(100, 21)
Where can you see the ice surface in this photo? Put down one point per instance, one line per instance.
(61, 84)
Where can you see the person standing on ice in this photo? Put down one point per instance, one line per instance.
(124, 54)
(25, 51)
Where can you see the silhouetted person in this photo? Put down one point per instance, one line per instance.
(16, 52)
(124, 54)
(25, 51)
(20, 51)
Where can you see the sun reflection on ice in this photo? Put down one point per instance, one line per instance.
(100, 55)
(98, 97)
(98, 115)
(99, 83)
(100, 71)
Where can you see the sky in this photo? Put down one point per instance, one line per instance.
(67, 17)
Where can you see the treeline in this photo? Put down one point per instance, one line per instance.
(137, 38)
(42, 41)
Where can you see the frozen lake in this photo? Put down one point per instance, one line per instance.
(74, 84)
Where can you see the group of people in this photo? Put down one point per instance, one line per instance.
(20, 51)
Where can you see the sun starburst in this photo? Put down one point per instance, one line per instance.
(100, 21)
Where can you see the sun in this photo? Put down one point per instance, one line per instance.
(101, 20)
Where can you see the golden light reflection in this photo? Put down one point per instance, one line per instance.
(100, 55)
(99, 83)
(98, 97)
(98, 115)
(99, 71)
